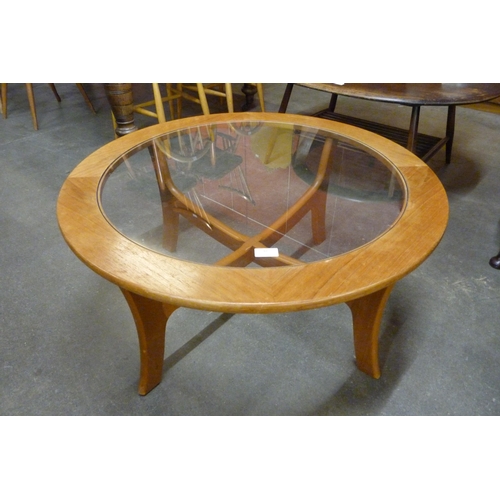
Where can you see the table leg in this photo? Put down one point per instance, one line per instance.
(412, 134)
(367, 315)
(121, 100)
(150, 319)
(286, 98)
(249, 91)
(450, 131)
(288, 92)
(333, 103)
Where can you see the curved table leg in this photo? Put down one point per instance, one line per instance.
(150, 319)
(367, 315)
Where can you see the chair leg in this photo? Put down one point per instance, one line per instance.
(175, 111)
(158, 103)
(179, 100)
(79, 86)
(260, 92)
(3, 92)
(171, 102)
(229, 97)
(200, 89)
(31, 100)
(113, 120)
(203, 98)
(86, 97)
(54, 91)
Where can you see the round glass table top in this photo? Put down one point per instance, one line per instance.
(252, 193)
(252, 212)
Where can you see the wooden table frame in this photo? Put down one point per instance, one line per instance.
(155, 285)
(412, 95)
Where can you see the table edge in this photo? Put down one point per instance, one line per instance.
(191, 284)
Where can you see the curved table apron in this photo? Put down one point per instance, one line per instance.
(155, 285)
(414, 95)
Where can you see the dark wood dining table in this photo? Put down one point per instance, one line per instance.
(413, 95)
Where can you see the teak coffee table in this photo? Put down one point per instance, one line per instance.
(252, 213)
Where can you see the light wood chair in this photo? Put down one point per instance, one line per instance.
(198, 93)
(157, 103)
(175, 93)
(31, 99)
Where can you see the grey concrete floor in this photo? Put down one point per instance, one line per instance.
(67, 339)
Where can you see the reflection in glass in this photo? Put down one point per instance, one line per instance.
(212, 194)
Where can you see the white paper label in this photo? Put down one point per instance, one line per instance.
(266, 252)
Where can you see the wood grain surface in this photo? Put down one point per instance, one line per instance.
(365, 270)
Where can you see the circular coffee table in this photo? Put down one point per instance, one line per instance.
(252, 213)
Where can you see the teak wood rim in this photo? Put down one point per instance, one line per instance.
(367, 269)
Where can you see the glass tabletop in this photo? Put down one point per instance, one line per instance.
(251, 194)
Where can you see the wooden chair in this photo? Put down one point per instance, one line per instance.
(157, 103)
(197, 92)
(31, 99)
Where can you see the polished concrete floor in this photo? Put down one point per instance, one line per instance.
(67, 339)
